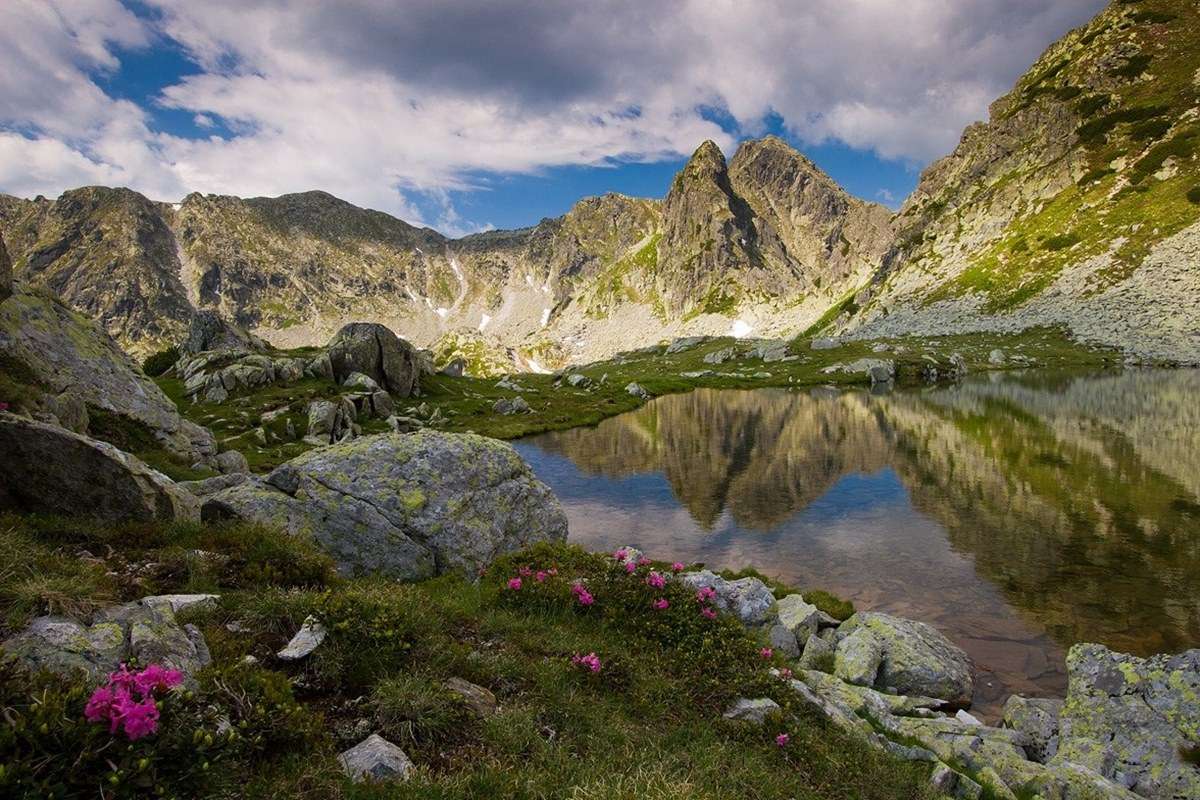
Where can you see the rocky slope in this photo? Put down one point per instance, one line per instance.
(1077, 203)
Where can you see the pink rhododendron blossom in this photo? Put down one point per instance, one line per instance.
(661, 604)
(656, 580)
(589, 662)
(706, 594)
(643, 561)
(525, 572)
(621, 554)
(155, 677)
(630, 567)
(99, 705)
(709, 612)
(782, 739)
(127, 702)
(677, 566)
(139, 719)
(514, 584)
(582, 595)
(785, 673)
(540, 577)
(766, 652)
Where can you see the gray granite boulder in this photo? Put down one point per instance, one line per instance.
(748, 599)
(799, 617)
(46, 468)
(65, 646)
(373, 350)
(1037, 718)
(1131, 719)
(916, 658)
(755, 711)
(376, 759)
(405, 505)
(818, 654)
(858, 657)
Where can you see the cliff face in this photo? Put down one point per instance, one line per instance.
(1075, 204)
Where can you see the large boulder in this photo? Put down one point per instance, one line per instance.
(916, 658)
(6, 278)
(59, 352)
(404, 505)
(1132, 719)
(748, 599)
(373, 350)
(210, 331)
(49, 469)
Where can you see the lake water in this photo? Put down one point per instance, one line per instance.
(1018, 513)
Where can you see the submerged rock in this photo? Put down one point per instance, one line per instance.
(405, 505)
(46, 468)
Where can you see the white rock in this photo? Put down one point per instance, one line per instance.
(376, 759)
(306, 640)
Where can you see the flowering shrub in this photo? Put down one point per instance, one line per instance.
(127, 701)
(590, 662)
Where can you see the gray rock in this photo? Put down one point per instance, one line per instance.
(232, 462)
(858, 657)
(49, 469)
(375, 351)
(310, 636)
(1038, 720)
(686, 343)
(782, 640)
(954, 784)
(207, 486)
(479, 700)
(376, 759)
(1129, 719)
(917, 658)
(320, 367)
(455, 368)
(182, 602)
(748, 599)
(799, 617)
(818, 654)
(405, 424)
(404, 505)
(637, 391)
(996, 357)
(511, 405)
(719, 356)
(823, 344)
(64, 646)
(357, 380)
(6, 278)
(209, 331)
(755, 711)
(382, 405)
(577, 380)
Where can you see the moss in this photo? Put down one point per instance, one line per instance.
(1193, 195)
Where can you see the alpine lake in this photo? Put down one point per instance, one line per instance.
(1019, 513)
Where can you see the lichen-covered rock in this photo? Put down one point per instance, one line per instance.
(954, 784)
(818, 654)
(1130, 719)
(404, 505)
(1037, 718)
(858, 657)
(783, 641)
(917, 658)
(860, 699)
(62, 351)
(65, 646)
(511, 405)
(799, 617)
(748, 599)
(209, 331)
(376, 759)
(755, 711)
(48, 469)
(373, 350)
(231, 462)
(479, 700)
(637, 391)
(357, 380)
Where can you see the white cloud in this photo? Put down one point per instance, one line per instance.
(381, 105)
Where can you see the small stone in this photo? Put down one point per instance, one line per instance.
(509, 406)
(481, 701)
(637, 391)
(376, 759)
(306, 640)
(966, 717)
(823, 344)
(755, 711)
(182, 602)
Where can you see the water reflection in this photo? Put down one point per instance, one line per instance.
(1020, 514)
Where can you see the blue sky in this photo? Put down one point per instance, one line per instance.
(467, 114)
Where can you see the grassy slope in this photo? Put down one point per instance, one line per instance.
(648, 725)
(465, 404)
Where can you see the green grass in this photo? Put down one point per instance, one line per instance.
(647, 725)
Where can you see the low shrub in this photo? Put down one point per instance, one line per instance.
(156, 364)
(1193, 195)
(1062, 241)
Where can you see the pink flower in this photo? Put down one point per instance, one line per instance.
(589, 662)
(782, 739)
(709, 612)
(3, 406)
(99, 705)
(630, 567)
(155, 677)
(643, 561)
(661, 604)
(552, 571)
(656, 580)
(706, 594)
(677, 566)
(621, 554)
(766, 652)
(582, 595)
(785, 673)
(525, 572)
(514, 584)
(540, 577)
(139, 719)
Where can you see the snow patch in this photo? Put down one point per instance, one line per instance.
(483, 323)
(740, 329)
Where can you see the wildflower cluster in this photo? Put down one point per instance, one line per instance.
(590, 662)
(127, 701)
(704, 597)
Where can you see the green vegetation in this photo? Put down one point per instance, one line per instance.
(157, 363)
(137, 438)
(1193, 195)
(647, 724)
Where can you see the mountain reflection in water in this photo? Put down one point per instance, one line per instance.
(1018, 513)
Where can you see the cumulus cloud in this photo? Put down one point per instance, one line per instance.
(382, 103)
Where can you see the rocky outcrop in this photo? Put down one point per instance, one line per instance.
(59, 352)
(1134, 720)
(6, 277)
(48, 469)
(142, 632)
(210, 331)
(912, 658)
(404, 505)
(373, 350)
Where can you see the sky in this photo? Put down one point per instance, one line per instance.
(466, 115)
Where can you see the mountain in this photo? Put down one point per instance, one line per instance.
(1077, 203)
